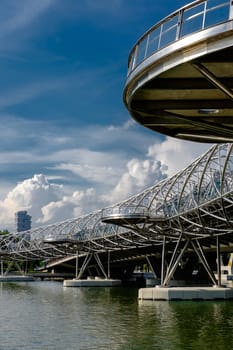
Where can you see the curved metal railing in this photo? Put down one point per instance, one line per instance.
(196, 16)
(125, 211)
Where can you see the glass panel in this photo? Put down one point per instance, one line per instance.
(192, 26)
(169, 30)
(153, 41)
(141, 51)
(213, 3)
(192, 19)
(216, 16)
(170, 22)
(168, 37)
(131, 62)
(193, 12)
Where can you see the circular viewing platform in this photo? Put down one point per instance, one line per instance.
(57, 239)
(180, 74)
(122, 215)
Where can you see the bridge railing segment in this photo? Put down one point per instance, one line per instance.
(127, 212)
(196, 16)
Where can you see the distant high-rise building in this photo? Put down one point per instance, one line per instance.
(22, 221)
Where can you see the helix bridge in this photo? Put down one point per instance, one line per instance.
(191, 210)
(179, 83)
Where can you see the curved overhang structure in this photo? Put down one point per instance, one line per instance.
(180, 74)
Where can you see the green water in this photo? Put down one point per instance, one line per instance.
(44, 315)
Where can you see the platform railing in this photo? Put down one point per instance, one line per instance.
(192, 18)
(125, 211)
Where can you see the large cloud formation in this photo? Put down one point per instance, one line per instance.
(32, 195)
(48, 202)
(176, 154)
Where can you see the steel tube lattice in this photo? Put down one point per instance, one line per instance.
(196, 203)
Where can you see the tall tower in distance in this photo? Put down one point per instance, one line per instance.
(22, 221)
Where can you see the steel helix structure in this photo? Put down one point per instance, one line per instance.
(179, 83)
(194, 204)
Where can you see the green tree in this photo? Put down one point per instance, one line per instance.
(4, 232)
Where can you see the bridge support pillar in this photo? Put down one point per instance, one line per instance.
(218, 261)
(96, 281)
(89, 256)
(150, 263)
(84, 265)
(76, 265)
(180, 249)
(2, 268)
(163, 260)
(9, 267)
(175, 259)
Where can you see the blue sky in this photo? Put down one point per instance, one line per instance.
(68, 144)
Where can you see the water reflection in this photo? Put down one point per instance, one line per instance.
(44, 315)
(190, 325)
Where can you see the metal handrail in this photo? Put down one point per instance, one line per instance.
(191, 18)
(124, 211)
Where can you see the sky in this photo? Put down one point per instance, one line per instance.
(68, 145)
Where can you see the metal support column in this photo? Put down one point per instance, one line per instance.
(174, 267)
(163, 261)
(97, 258)
(2, 269)
(218, 261)
(151, 266)
(231, 10)
(76, 265)
(109, 263)
(213, 79)
(172, 259)
(84, 265)
(200, 253)
(26, 268)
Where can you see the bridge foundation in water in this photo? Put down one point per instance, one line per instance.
(92, 282)
(185, 293)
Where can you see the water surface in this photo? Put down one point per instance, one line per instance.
(44, 315)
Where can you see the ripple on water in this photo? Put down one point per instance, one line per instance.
(44, 315)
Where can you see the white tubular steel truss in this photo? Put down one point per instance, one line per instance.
(195, 203)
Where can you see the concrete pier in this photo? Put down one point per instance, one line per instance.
(16, 278)
(185, 293)
(92, 282)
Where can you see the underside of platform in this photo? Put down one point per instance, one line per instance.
(185, 89)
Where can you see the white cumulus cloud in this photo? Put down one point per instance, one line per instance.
(48, 202)
(176, 154)
(139, 175)
(31, 195)
(75, 205)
